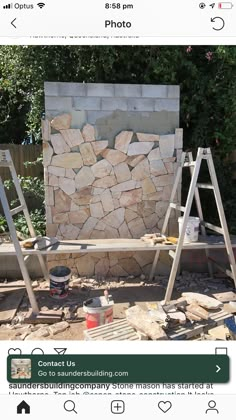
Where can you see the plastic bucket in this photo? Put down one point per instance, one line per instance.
(192, 228)
(59, 281)
(96, 314)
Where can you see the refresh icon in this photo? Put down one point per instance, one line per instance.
(220, 23)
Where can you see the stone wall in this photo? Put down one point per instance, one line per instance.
(111, 178)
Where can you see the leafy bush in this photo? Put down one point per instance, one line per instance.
(38, 220)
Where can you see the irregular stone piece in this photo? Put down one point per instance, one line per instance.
(106, 182)
(49, 196)
(67, 185)
(62, 122)
(73, 137)
(69, 231)
(87, 228)
(124, 186)
(134, 160)
(60, 218)
(114, 156)
(144, 258)
(124, 231)
(137, 227)
(96, 210)
(62, 201)
(154, 154)
(46, 130)
(167, 145)
(197, 310)
(53, 181)
(141, 171)
(150, 221)
(79, 216)
(157, 168)
(98, 234)
(47, 153)
(84, 177)
(111, 232)
(107, 201)
(128, 198)
(101, 168)
(202, 300)
(118, 271)
(142, 321)
(163, 180)
(115, 218)
(122, 172)
(82, 197)
(169, 167)
(99, 146)
(147, 137)
(59, 144)
(68, 160)
(123, 140)
(130, 215)
(161, 208)
(87, 153)
(101, 225)
(140, 148)
(88, 132)
(98, 191)
(102, 267)
(147, 186)
(55, 170)
(70, 173)
(130, 265)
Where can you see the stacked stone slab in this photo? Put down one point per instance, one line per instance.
(97, 191)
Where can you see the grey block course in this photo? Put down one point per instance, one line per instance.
(60, 103)
(173, 92)
(51, 88)
(128, 91)
(84, 103)
(72, 89)
(100, 89)
(154, 91)
(141, 104)
(167, 105)
(94, 116)
(111, 104)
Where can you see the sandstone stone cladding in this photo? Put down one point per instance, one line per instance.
(106, 188)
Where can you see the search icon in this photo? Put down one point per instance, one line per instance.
(69, 406)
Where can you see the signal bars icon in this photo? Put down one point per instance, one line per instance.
(41, 5)
(7, 6)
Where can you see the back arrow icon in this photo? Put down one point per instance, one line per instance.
(218, 368)
(12, 23)
(222, 20)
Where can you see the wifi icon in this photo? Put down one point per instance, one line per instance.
(41, 5)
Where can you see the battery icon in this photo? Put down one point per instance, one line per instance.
(225, 5)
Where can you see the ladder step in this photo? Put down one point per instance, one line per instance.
(17, 210)
(177, 207)
(210, 226)
(172, 254)
(205, 186)
(189, 164)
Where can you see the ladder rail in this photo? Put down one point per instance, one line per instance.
(18, 249)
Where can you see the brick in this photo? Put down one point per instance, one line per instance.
(72, 89)
(112, 104)
(93, 116)
(51, 88)
(173, 91)
(166, 105)
(85, 103)
(154, 91)
(141, 104)
(61, 104)
(128, 91)
(100, 89)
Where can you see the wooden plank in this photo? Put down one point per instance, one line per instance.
(49, 317)
(10, 304)
(225, 296)
(142, 321)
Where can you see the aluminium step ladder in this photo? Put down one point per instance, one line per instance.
(6, 162)
(194, 166)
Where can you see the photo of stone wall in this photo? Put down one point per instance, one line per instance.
(104, 188)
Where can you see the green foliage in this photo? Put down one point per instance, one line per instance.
(3, 224)
(38, 220)
(32, 187)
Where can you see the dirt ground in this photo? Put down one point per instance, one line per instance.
(125, 293)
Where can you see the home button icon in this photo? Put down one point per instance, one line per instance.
(23, 408)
